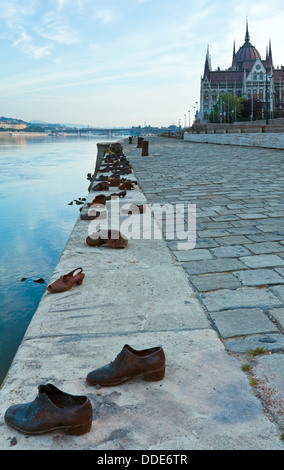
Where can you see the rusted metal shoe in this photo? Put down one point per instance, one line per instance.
(121, 194)
(67, 281)
(100, 199)
(52, 410)
(149, 364)
(111, 238)
(126, 185)
(114, 181)
(103, 186)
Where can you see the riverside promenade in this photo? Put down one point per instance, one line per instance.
(206, 307)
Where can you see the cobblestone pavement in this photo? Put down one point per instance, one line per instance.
(237, 265)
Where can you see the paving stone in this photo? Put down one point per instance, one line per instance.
(213, 266)
(253, 216)
(234, 240)
(258, 277)
(239, 322)
(235, 251)
(270, 228)
(263, 237)
(223, 218)
(279, 291)
(242, 230)
(273, 342)
(212, 233)
(266, 247)
(243, 297)
(208, 282)
(278, 314)
(280, 271)
(268, 369)
(218, 225)
(262, 261)
(195, 254)
(206, 243)
(235, 206)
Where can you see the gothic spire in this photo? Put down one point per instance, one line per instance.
(247, 36)
(207, 67)
(269, 59)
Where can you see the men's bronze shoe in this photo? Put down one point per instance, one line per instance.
(52, 410)
(149, 364)
(110, 238)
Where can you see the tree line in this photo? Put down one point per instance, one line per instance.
(230, 108)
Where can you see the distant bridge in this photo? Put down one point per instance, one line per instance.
(107, 131)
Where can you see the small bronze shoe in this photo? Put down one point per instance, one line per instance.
(67, 281)
(126, 185)
(100, 199)
(115, 181)
(52, 410)
(104, 186)
(129, 363)
(121, 194)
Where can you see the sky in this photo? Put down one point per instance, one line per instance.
(112, 63)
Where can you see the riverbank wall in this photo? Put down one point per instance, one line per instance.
(141, 296)
(253, 138)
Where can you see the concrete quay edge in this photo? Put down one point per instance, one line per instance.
(140, 296)
(272, 140)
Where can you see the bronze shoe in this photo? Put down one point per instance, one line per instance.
(129, 363)
(121, 194)
(114, 181)
(126, 185)
(100, 199)
(104, 186)
(52, 410)
(67, 281)
(111, 238)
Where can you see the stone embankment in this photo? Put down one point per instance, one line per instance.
(266, 137)
(204, 306)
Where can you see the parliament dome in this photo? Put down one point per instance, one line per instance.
(247, 52)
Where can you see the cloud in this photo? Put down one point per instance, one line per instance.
(27, 46)
(54, 29)
(106, 15)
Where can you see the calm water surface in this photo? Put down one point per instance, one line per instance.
(38, 178)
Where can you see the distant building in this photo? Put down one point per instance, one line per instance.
(249, 77)
(8, 125)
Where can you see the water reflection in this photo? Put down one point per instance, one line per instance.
(38, 178)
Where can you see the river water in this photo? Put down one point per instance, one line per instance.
(39, 177)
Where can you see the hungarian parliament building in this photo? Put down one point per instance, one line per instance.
(249, 77)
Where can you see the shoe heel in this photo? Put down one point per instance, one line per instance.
(154, 375)
(79, 283)
(79, 429)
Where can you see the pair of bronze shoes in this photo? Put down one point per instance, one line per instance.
(110, 238)
(55, 410)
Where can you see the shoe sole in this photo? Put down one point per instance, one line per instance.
(75, 430)
(153, 376)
